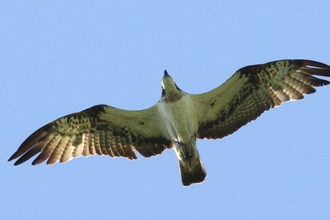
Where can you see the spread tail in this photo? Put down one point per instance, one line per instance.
(191, 167)
(192, 171)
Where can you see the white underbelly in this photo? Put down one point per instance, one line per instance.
(179, 118)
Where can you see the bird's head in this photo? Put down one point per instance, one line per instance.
(170, 91)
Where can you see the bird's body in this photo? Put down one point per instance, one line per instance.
(177, 120)
(178, 112)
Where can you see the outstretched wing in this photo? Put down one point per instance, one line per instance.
(253, 90)
(102, 130)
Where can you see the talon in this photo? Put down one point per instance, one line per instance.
(179, 144)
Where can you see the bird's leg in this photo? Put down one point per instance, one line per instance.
(185, 149)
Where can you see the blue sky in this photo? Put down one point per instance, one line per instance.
(62, 57)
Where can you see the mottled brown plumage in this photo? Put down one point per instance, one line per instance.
(176, 120)
(86, 133)
(255, 89)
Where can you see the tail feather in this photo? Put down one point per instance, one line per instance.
(192, 171)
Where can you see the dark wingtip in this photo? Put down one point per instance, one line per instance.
(314, 64)
(17, 163)
(14, 156)
(27, 147)
(316, 68)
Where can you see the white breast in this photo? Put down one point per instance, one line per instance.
(179, 118)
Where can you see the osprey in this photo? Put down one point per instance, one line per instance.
(177, 120)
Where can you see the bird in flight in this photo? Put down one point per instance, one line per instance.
(176, 120)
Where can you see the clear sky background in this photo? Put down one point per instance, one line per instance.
(62, 57)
